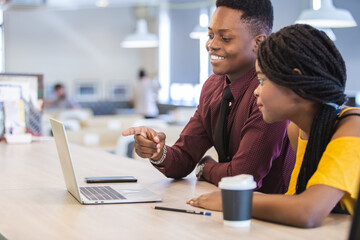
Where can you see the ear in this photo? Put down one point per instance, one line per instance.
(257, 41)
(297, 70)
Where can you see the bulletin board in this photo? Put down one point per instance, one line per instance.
(20, 96)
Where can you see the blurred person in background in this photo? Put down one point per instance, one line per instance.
(61, 100)
(144, 98)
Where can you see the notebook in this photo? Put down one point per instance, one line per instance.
(116, 193)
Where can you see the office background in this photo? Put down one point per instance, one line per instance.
(77, 45)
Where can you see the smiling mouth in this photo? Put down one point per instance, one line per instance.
(216, 57)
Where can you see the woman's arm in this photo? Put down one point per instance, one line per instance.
(308, 209)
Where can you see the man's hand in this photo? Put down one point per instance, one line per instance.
(211, 201)
(148, 142)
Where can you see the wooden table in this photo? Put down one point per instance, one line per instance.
(34, 203)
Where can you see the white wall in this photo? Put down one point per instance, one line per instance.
(70, 46)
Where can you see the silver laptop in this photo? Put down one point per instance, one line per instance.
(117, 193)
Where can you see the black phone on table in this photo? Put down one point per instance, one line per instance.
(116, 179)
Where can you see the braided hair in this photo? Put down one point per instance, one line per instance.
(322, 80)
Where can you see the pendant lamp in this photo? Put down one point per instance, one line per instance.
(141, 38)
(201, 29)
(327, 17)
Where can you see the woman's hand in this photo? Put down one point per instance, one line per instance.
(211, 201)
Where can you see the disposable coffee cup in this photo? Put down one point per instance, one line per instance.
(237, 195)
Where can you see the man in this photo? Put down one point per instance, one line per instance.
(61, 100)
(254, 147)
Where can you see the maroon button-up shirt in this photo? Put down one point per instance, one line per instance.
(257, 148)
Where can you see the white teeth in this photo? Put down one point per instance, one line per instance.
(217, 57)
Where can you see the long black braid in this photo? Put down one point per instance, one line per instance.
(322, 79)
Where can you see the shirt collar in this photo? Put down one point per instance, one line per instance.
(240, 85)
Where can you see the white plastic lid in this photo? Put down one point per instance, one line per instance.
(239, 182)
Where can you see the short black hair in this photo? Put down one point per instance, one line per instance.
(258, 14)
(142, 73)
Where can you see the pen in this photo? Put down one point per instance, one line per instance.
(183, 210)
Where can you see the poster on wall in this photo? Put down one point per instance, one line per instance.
(87, 90)
(24, 91)
(118, 91)
(12, 105)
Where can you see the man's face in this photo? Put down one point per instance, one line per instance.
(231, 45)
(60, 92)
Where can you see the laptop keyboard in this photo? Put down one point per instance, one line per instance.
(101, 193)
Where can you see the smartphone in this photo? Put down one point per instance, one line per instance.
(110, 179)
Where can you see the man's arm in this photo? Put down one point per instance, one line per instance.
(183, 156)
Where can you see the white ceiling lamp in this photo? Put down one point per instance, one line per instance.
(201, 29)
(141, 38)
(199, 32)
(329, 32)
(102, 3)
(327, 16)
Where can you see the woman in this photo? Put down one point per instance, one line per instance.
(302, 78)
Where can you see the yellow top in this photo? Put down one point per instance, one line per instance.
(339, 167)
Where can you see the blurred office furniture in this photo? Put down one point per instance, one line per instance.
(105, 107)
(72, 118)
(102, 131)
(182, 115)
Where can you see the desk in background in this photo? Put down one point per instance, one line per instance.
(34, 203)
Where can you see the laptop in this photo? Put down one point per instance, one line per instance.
(355, 225)
(117, 193)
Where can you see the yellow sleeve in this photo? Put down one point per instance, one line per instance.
(300, 152)
(339, 166)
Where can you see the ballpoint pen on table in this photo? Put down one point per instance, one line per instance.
(183, 210)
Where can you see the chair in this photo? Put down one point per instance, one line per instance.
(125, 146)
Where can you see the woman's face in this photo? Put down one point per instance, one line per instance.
(276, 103)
